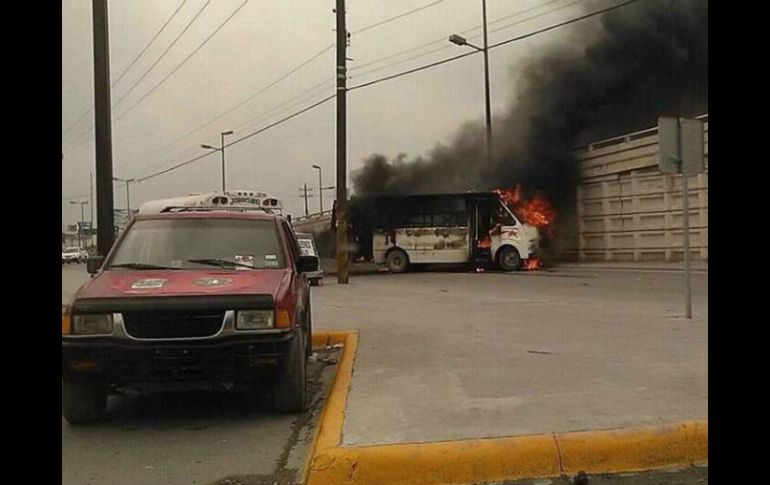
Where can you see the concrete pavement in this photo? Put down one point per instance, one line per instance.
(446, 356)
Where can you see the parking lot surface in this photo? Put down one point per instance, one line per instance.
(441, 356)
(454, 355)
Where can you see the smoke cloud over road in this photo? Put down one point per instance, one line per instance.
(649, 59)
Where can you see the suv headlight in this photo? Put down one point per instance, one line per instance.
(254, 319)
(92, 324)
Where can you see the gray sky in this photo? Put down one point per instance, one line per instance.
(262, 42)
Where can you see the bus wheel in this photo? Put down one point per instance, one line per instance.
(397, 261)
(509, 259)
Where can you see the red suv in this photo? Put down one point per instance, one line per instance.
(193, 298)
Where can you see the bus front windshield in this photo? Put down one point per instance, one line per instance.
(184, 243)
(504, 216)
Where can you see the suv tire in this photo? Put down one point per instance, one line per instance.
(82, 403)
(290, 389)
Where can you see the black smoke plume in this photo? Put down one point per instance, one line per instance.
(649, 59)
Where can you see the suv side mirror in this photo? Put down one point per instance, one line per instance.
(94, 263)
(306, 264)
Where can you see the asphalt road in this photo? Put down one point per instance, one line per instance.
(190, 438)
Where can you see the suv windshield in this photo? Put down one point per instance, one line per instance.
(173, 243)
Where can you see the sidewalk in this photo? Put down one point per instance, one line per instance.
(330, 267)
(695, 266)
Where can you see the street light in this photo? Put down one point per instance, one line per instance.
(128, 197)
(320, 189)
(220, 149)
(82, 221)
(462, 41)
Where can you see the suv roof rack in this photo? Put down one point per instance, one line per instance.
(236, 208)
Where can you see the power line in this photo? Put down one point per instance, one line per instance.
(410, 71)
(444, 39)
(293, 115)
(562, 24)
(391, 19)
(397, 75)
(130, 65)
(87, 194)
(514, 39)
(166, 51)
(293, 101)
(239, 104)
(283, 120)
(136, 83)
(157, 34)
(446, 47)
(183, 61)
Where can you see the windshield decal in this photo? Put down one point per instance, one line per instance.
(244, 260)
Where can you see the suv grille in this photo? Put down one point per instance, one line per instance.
(173, 323)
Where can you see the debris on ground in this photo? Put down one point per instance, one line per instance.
(314, 357)
(581, 478)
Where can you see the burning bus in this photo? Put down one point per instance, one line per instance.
(474, 228)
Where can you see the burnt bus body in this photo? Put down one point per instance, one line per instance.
(473, 227)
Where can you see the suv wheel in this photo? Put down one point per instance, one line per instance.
(82, 403)
(290, 390)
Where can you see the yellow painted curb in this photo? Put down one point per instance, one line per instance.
(487, 460)
(641, 448)
(329, 429)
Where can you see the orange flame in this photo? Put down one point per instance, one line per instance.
(532, 264)
(536, 211)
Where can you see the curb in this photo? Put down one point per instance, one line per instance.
(492, 459)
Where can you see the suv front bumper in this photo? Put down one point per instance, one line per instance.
(117, 364)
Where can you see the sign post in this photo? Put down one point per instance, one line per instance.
(680, 142)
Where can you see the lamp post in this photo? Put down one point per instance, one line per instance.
(459, 40)
(220, 149)
(82, 222)
(320, 189)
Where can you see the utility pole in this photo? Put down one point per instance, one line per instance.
(486, 87)
(305, 196)
(460, 40)
(342, 170)
(91, 198)
(221, 148)
(103, 128)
